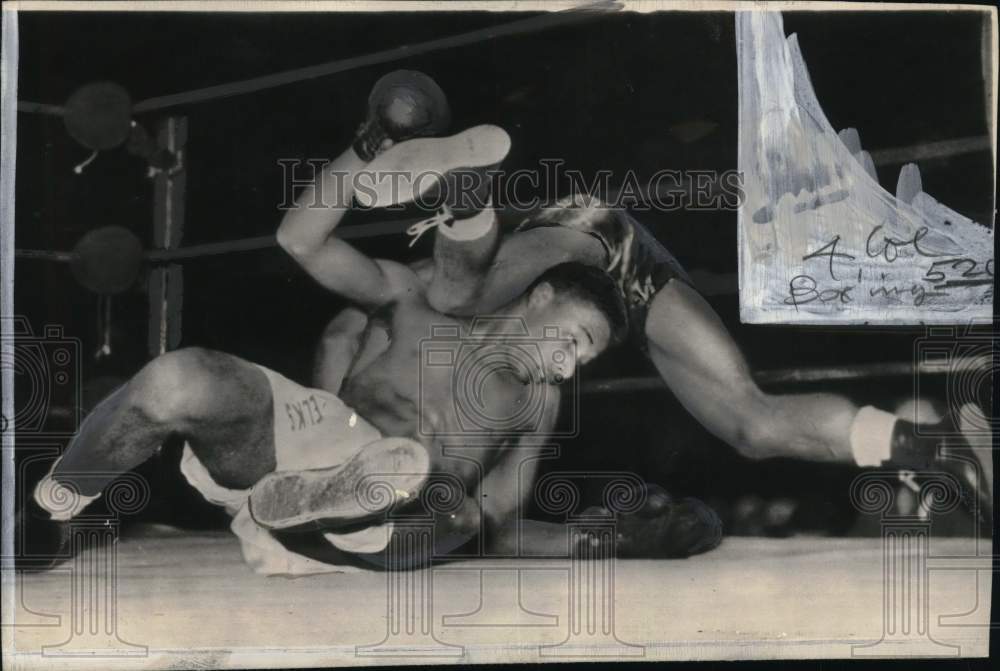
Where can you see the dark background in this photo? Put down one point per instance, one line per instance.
(606, 93)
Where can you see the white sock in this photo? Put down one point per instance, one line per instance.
(472, 228)
(871, 436)
(63, 503)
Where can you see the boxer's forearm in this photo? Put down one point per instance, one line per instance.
(306, 233)
(320, 207)
(337, 348)
(455, 529)
(530, 538)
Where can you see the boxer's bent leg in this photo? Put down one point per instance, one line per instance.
(705, 369)
(519, 260)
(463, 252)
(219, 404)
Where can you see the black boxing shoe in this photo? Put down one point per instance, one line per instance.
(40, 543)
(969, 456)
(403, 104)
(960, 445)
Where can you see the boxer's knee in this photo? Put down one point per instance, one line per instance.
(805, 426)
(178, 385)
(755, 438)
(757, 425)
(443, 298)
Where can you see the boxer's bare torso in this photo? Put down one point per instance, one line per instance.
(391, 385)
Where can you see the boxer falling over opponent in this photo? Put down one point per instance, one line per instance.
(280, 456)
(477, 269)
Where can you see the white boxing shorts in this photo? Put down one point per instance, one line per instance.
(312, 429)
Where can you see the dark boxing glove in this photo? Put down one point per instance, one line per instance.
(403, 104)
(661, 528)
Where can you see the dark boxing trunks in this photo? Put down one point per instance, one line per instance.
(638, 263)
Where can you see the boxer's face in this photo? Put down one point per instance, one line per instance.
(583, 333)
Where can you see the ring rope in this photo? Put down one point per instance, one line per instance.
(212, 249)
(44, 255)
(804, 375)
(40, 108)
(606, 386)
(254, 84)
(226, 246)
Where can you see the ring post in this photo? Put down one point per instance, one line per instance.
(166, 282)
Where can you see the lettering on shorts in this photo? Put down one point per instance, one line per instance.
(304, 413)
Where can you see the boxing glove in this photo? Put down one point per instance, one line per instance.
(403, 104)
(660, 528)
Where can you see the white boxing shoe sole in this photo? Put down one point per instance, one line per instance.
(408, 170)
(343, 494)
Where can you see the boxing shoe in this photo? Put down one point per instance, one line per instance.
(40, 542)
(661, 529)
(403, 104)
(434, 171)
(449, 174)
(42, 526)
(967, 453)
(384, 473)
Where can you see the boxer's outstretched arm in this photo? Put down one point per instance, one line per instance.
(306, 233)
(678, 529)
(505, 493)
(659, 530)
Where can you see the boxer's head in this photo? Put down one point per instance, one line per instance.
(584, 307)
